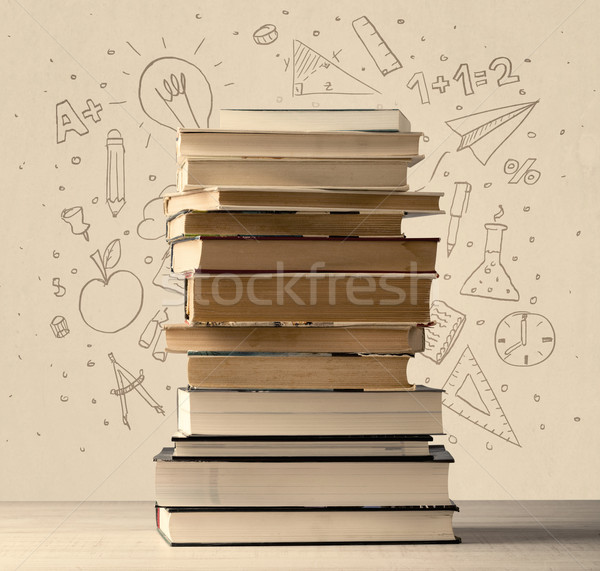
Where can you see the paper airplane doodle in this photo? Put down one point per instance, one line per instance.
(126, 383)
(315, 74)
(469, 394)
(484, 132)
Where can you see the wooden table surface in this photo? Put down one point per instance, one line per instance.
(121, 535)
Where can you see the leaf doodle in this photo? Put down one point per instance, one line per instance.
(112, 254)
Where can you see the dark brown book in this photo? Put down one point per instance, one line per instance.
(313, 296)
(294, 254)
(289, 337)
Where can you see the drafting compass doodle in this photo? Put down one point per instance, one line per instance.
(127, 382)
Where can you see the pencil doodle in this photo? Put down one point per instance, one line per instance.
(441, 337)
(152, 225)
(376, 46)
(469, 394)
(60, 289)
(522, 173)
(115, 172)
(265, 35)
(74, 218)
(490, 279)
(127, 382)
(460, 204)
(112, 302)
(175, 93)
(524, 339)
(59, 327)
(484, 132)
(313, 74)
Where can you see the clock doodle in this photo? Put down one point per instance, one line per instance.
(524, 339)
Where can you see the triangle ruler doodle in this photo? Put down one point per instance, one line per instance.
(469, 394)
(484, 132)
(315, 74)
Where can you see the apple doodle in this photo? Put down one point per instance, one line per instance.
(112, 302)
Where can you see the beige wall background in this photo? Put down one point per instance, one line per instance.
(63, 436)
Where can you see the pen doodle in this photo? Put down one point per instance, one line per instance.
(112, 302)
(460, 204)
(127, 382)
(484, 132)
(376, 46)
(265, 35)
(524, 339)
(59, 327)
(74, 218)
(522, 173)
(60, 289)
(175, 93)
(441, 337)
(469, 394)
(490, 279)
(115, 172)
(314, 74)
(152, 334)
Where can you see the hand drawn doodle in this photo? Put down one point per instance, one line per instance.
(115, 172)
(524, 339)
(112, 302)
(92, 111)
(469, 394)
(490, 279)
(418, 81)
(158, 351)
(265, 35)
(507, 76)
(169, 283)
(126, 382)
(175, 93)
(460, 203)
(60, 289)
(522, 173)
(484, 132)
(152, 328)
(67, 120)
(380, 52)
(74, 218)
(152, 225)
(59, 327)
(440, 338)
(316, 75)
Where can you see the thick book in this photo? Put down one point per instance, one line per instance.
(309, 412)
(315, 119)
(196, 223)
(296, 199)
(211, 254)
(306, 526)
(302, 481)
(308, 296)
(307, 446)
(260, 370)
(296, 337)
(260, 143)
(388, 174)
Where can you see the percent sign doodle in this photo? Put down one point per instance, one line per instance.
(525, 172)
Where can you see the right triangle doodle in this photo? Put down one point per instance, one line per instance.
(315, 74)
(469, 394)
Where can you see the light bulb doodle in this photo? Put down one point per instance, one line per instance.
(127, 382)
(74, 218)
(175, 93)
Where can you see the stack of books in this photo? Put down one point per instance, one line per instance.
(304, 305)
